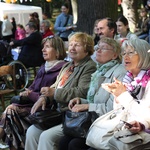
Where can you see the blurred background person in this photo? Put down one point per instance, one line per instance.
(37, 20)
(95, 32)
(142, 28)
(13, 21)
(45, 29)
(63, 23)
(31, 47)
(6, 29)
(123, 29)
(45, 16)
(20, 32)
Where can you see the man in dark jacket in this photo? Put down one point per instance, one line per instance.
(31, 48)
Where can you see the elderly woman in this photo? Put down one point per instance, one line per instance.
(134, 92)
(53, 53)
(99, 100)
(73, 80)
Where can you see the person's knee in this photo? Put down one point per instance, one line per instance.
(32, 132)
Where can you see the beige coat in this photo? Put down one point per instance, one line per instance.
(77, 84)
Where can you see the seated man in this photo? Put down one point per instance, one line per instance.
(31, 48)
(45, 29)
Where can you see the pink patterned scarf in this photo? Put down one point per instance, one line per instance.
(136, 86)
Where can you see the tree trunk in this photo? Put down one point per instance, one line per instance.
(90, 10)
(74, 11)
(130, 12)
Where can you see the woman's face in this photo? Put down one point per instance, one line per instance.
(131, 60)
(49, 53)
(76, 51)
(121, 28)
(105, 53)
(64, 9)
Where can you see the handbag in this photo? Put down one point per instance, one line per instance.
(46, 119)
(125, 140)
(76, 124)
(103, 128)
(15, 127)
(22, 100)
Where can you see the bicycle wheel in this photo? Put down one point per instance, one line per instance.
(20, 75)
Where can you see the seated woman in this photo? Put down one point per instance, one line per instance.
(99, 100)
(53, 53)
(73, 80)
(142, 29)
(123, 29)
(134, 92)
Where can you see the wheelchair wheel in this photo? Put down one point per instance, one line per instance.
(20, 75)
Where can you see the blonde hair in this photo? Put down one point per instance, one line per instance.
(5, 16)
(84, 38)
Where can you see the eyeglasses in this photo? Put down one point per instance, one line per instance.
(103, 49)
(130, 54)
(48, 37)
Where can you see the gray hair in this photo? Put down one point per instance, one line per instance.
(46, 22)
(114, 44)
(141, 47)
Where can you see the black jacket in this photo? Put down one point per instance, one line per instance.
(31, 50)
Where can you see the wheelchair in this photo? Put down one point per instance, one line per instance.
(13, 74)
(18, 80)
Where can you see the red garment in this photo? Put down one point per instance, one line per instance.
(20, 34)
(119, 2)
(47, 33)
(66, 76)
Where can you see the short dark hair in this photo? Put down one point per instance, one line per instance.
(32, 25)
(111, 24)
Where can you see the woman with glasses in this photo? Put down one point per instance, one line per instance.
(134, 91)
(98, 100)
(53, 54)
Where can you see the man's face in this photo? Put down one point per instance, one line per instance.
(28, 30)
(43, 28)
(103, 29)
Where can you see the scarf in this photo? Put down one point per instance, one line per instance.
(94, 84)
(136, 86)
(50, 64)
